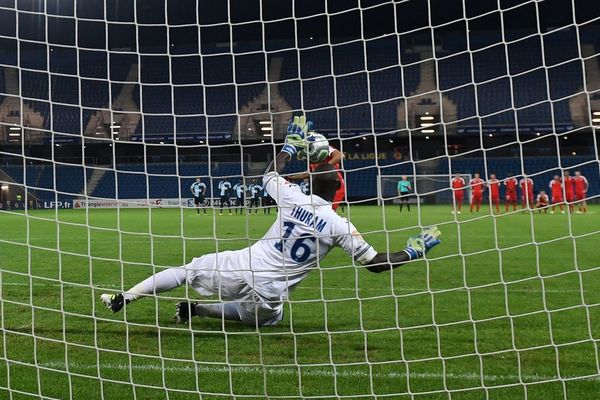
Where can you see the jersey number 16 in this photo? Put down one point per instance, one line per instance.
(301, 247)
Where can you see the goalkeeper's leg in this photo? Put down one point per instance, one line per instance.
(185, 310)
(246, 306)
(247, 312)
(159, 282)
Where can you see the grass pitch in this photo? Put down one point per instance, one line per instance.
(507, 307)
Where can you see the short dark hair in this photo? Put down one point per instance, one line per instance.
(325, 173)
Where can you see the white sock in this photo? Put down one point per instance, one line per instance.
(226, 311)
(159, 282)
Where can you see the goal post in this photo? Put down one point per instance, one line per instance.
(426, 189)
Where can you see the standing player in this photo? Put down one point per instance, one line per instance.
(494, 185)
(224, 195)
(267, 201)
(556, 189)
(404, 189)
(198, 190)
(511, 184)
(569, 189)
(252, 283)
(255, 190)
(458, 186)
(526, 185)
(477, 188)
(542, 202)
(240, 194)
(334, 158)
(581, 188)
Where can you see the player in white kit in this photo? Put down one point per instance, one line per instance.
(253, 283)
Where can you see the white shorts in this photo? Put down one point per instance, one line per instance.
(217, 274)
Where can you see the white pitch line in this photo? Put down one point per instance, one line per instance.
(345, 289)
(423, 290)
(66, 285)
(311, 371)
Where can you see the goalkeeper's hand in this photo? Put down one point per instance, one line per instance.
(420, 244)
(301, 155)
(300, 126)
(297, 130)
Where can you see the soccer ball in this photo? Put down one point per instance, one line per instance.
(317, 149)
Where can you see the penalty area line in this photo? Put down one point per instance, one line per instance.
(307, 370)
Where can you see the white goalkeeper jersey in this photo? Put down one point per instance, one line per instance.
(306, 230)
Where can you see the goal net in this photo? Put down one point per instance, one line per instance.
(134, 136)
(425, 189)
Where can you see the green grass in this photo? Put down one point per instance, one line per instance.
(489, 315)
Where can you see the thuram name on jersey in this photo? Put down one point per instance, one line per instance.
(306, 217)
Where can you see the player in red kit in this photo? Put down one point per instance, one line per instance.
(511, 184)
(556, 188)
(477, 188)
(494, 185)
(334, 158)
(542, 202)
(569, 189)
(458, 187)
(526, 192)
(581, 188)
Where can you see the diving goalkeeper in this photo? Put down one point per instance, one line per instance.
(253, 282)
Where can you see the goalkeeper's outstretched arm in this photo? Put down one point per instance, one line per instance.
(416, 247)
(386, 261)
(297, 129)
(279, 163)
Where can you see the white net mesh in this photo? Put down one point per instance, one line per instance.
(109, 111)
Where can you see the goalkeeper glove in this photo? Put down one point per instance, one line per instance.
(420, 244)
(300, 126)
(301, 155)
(297, 129)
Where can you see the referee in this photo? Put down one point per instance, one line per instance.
(198, 191)
(404, 189)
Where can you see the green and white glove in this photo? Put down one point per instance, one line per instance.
(301, 155)
(297, 129)
(300, 126)
(420, 244)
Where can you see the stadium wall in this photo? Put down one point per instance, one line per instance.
(168, 181)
